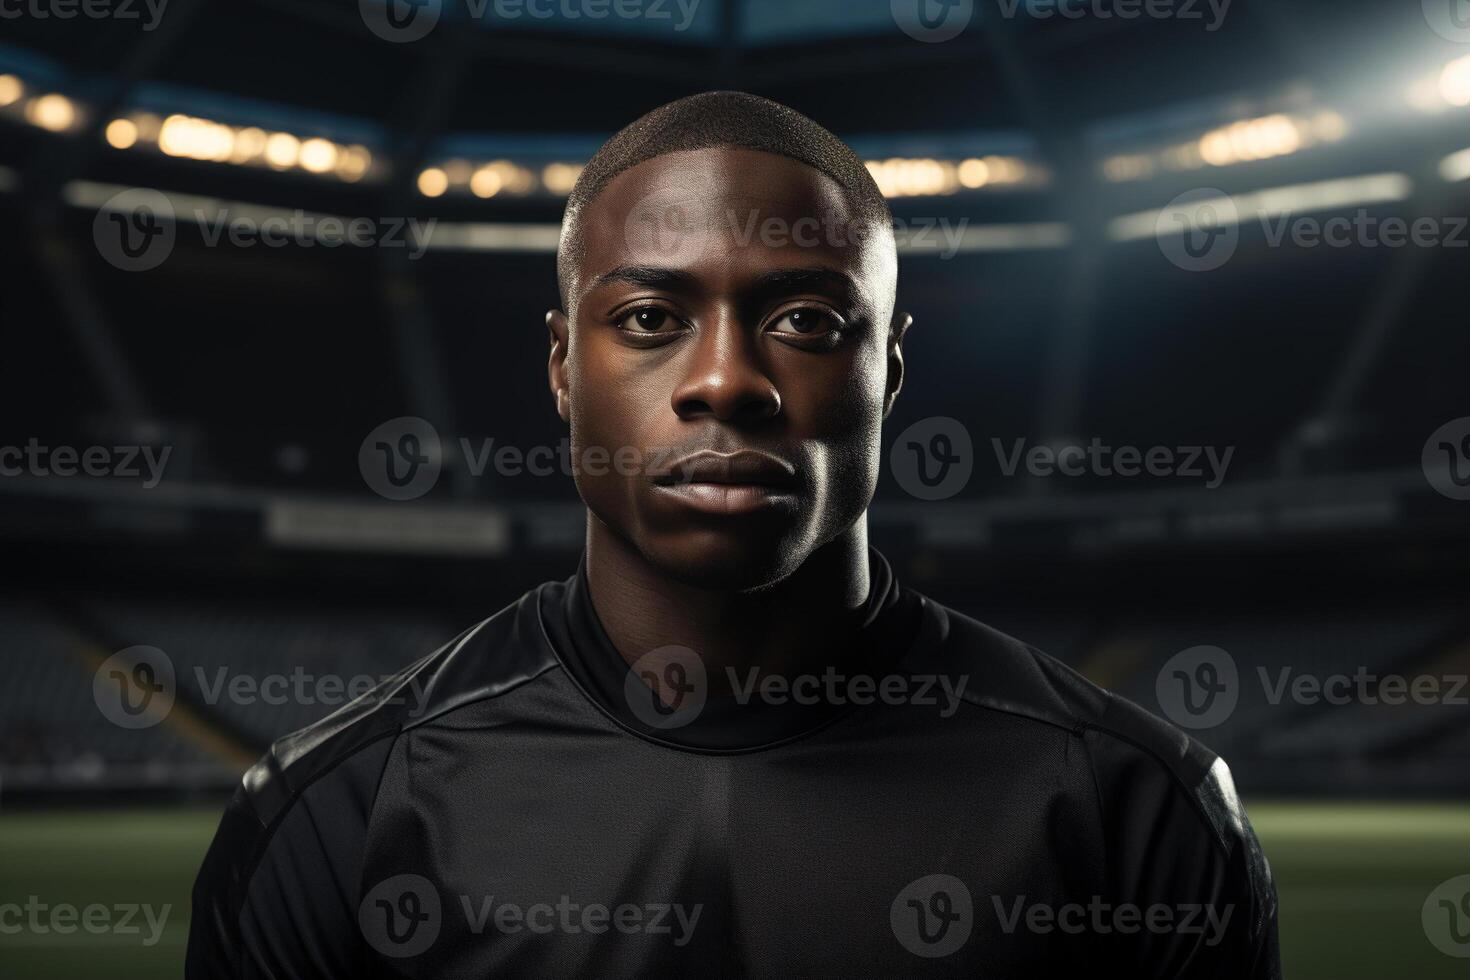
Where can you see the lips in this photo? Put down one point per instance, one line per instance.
(747, 467)
(724, 485)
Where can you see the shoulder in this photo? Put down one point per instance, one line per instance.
(1172, 827)
(489, 659)
(1128, 746)
(297, 822)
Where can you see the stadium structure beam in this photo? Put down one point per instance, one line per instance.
(726, 70)
(56, 163)
(1075, 175)
(904, 55)
(602, 54)
(421, 114)
(1384, 312)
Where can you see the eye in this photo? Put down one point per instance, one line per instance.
(648, 319)
(805, 322)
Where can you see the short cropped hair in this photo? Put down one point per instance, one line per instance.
(717, 119)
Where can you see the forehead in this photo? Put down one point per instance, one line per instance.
(723, 213)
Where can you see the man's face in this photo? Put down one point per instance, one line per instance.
(732, 331)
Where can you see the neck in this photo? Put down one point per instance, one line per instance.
(794, 626)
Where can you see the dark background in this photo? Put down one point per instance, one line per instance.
(1326, 550)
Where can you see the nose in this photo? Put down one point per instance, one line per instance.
(725, 379)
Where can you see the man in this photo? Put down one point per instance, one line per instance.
(731, 745)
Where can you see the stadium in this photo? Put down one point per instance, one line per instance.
(1188, 282)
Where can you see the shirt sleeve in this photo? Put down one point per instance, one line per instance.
(1182, 853)
(276, 897)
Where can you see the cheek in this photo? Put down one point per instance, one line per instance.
(596, 422)
(611, 407)
(613, 418)
(844, 412)
(841, 398)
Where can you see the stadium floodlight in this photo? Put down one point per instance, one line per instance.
(1243, 141)
(928, 177)
(1271, 202)
(1454, 82)
(486, 182)
(1450, 89)
(52, 112)
(190, 137)
(121, 134)
(1456, 166)
(318, 156)
(560, 178)
(895, 176)
(433, 182)
(11, 90)
(491, 178)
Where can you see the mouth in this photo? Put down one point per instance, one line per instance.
(730, 483)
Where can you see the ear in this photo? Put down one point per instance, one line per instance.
(896, 331)
(556, 368)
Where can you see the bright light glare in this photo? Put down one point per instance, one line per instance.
(121, 133)
(486, 182)
(51, 112)
(1456, 166)
(318, 155)
(282, 150)
(433, 182)
(1454, 82)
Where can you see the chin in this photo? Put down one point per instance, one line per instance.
(732, 559)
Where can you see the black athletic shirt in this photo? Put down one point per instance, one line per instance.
(510, 806)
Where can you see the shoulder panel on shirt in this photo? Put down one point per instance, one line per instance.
(1144, 767)
(487, 660)
(1008, 675)
(295, 825)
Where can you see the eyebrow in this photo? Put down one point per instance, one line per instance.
(647, 275)
(796, 280)
(775, 281)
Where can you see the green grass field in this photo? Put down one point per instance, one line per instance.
(1352, 880)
